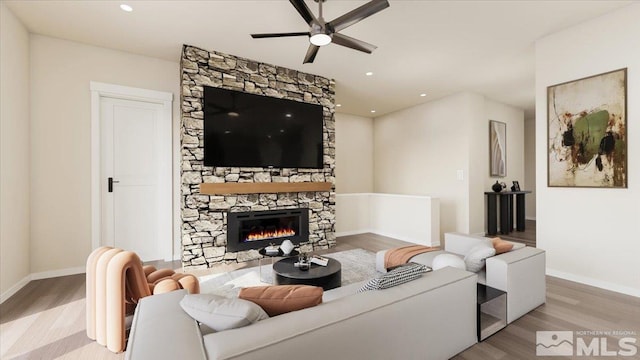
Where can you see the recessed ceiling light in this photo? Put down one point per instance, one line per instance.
(423, 95)
(126, 7)
(338, 105)
(288, 115)
(368, 73)
(372, 111)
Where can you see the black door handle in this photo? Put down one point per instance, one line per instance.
(110, 182)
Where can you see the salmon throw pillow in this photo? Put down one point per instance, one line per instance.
(501, 246)
(280, 299)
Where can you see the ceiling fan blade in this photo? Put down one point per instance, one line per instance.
(311, 54)
(357, 14)
(304, 11)
(348, 41)
(272, 35)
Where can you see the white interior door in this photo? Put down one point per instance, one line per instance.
(136, 204)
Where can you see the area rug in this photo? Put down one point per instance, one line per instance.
(357, 265)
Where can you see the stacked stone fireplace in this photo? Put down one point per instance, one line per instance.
(206, 234)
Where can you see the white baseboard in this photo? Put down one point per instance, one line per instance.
(58, 273)
(37, 276)
(594, 282)
(353, 232)
(15, 288)
(530, 218)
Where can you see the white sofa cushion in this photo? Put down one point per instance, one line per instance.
(342, 291)
(220, 313)
(461, 244)
(476, 257)
(162, 330)
(444, 260)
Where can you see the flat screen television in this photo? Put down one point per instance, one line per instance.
(249, 130)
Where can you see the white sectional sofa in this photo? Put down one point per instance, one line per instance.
(519, 272)
(433, 317)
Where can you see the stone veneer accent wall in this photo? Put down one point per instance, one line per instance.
(204, 217)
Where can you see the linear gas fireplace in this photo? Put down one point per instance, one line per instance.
(257, 229)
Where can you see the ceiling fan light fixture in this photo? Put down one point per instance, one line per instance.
(322, 33)
(320, 39)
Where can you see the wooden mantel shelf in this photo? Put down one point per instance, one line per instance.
(262, 188)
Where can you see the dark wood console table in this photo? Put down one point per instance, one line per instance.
(505, 211)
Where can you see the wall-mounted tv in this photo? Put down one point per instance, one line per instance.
(249, 130)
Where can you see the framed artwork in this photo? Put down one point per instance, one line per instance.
(587, 132)
(515, 186)
(497, 148)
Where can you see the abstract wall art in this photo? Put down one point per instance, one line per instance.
(587, 132)
(497, 148)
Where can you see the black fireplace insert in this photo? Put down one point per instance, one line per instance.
(257, 229)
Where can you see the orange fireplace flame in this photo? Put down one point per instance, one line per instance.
(269, 234)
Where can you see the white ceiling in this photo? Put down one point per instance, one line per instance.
(432, 47)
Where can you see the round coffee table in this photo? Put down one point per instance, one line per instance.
(264, 252)
(328, 277)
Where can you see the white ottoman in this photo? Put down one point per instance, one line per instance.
(444, 260)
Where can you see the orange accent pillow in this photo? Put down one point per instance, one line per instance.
(280, 299)
(501, 246)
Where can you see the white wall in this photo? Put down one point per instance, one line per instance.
(404, 217)
(591, 235)
(530, 166)
(477, 121)
(354, 154)
(410, 218)
(60, 139)
(353, 213)
(419, 151)
(14, 153)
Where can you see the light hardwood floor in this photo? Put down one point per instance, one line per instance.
(46, 319)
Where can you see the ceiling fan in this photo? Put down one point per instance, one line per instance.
(323, 33)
